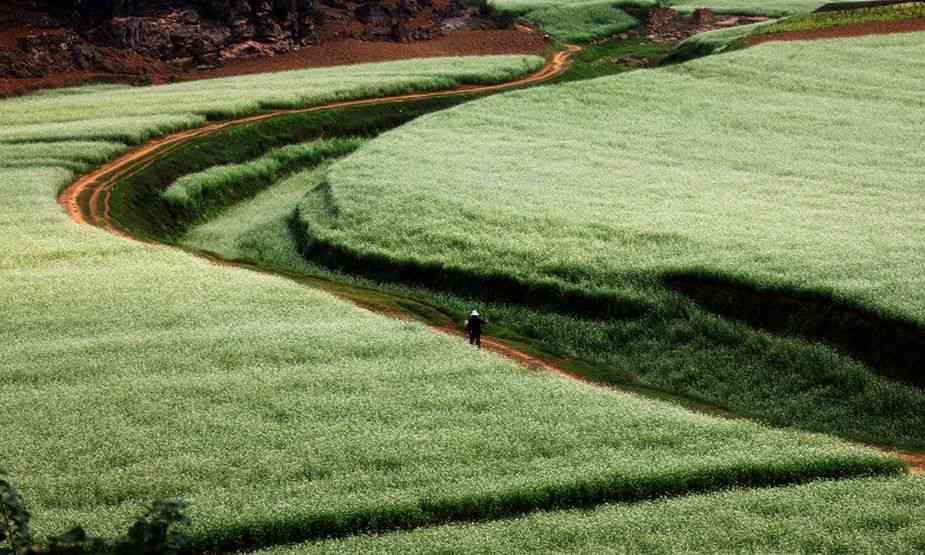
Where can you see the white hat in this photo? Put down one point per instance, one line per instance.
(474, 313)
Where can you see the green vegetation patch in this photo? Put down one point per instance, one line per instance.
(858, 517)
(607, 57)
(282, 413)
(133, 372)
(581, 21)
(783, 381)
(827, 20)
(785, 174)
(715, 42)
(720, 40)
(762, 168)
(204, 192)
(136, 114)
(137, 204)
(769, 8)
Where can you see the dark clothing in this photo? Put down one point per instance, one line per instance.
(474, 326)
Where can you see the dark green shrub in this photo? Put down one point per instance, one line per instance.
(155, 533)
(14, 521)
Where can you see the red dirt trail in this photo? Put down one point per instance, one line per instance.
(87, 202)
(847, 31)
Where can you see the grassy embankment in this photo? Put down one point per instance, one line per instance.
(831, 19)
(583, 20)
(133, 372)
(134, 115)
(714, 42)
(573, 21)
(197, 195)
(779, 202)
(860, 517)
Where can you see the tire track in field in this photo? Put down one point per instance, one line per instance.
(87, 201)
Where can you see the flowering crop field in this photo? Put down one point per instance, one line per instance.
(856, 517)
(767, 166)
(200, 191)
(134, 115)
(573, 21)
(132, 372)
(769, 8)
(135, 372)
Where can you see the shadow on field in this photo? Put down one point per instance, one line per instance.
(891, 347)
(485, 285)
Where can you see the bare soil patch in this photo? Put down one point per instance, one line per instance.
(856, 30)
(348, 51)
(352, 51)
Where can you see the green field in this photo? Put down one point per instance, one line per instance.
(579, 20)
(787, 382)
(714, 42)
(828, 20)
(573, 21)
(858, 517)
(134, 115)
(133, 372)
(769, 8)
(671, 179)
(586, 20)
(763, 170)
(738, 232)
(207, 191)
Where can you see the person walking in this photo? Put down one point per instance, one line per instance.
(474, 325)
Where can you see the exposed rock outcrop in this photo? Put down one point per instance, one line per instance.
(108, 35)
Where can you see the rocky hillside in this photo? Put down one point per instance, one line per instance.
(121, 36)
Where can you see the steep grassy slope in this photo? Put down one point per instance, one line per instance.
(765, 178)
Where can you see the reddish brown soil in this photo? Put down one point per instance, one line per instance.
(350, 51)
(10, 34)
(461, 43)
(857, 30)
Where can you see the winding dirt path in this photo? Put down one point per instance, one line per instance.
(99, 183)
(87, 202)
